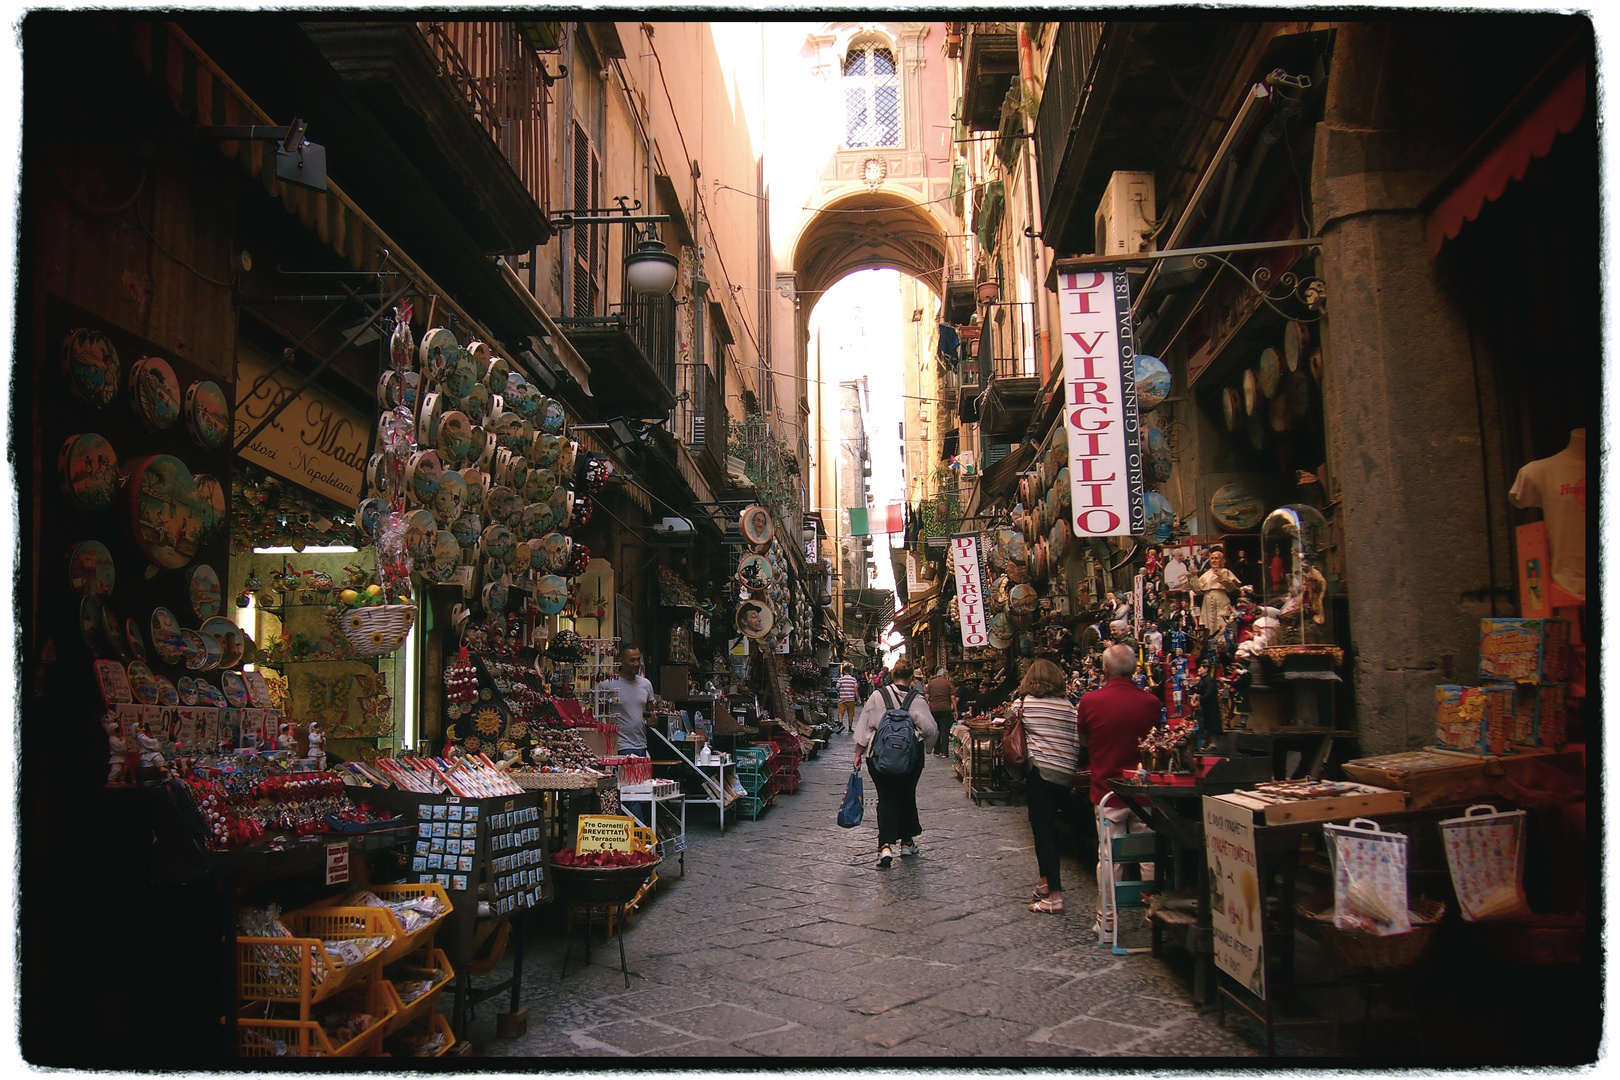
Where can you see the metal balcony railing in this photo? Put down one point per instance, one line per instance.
(1068, 77)
(504, 86)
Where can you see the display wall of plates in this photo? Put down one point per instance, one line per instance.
(133, 529)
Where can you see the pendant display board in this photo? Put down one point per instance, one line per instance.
(135, 517)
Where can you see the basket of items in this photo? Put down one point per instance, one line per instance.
(1356, 952)
(375, 631)
(1366, 923)
(602, 877)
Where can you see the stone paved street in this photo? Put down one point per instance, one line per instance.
(784, 940)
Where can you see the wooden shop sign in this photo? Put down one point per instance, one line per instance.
(603, 832)
(317, 442)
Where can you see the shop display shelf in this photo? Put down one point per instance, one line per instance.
(751, 806)
(788, 783)
(260, 1036)
(297, 968)
(409, 1013)
(436, 1023)
(404, 943)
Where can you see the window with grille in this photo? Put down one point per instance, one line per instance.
(871, 97)
(589, 249)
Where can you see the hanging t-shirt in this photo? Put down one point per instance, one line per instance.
(1557, 484)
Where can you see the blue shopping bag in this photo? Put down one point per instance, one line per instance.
(854, 804)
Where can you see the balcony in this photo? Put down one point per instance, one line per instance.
(1012, 386)
(469, 100)
(989, 63)
(632, 355)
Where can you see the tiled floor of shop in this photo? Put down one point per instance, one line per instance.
(782, 939)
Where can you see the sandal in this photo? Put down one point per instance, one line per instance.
(1049, 906)
(1041, 893)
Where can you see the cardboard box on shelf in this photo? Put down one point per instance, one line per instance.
(1523, 650)
(1476, 719)
(1539, 715)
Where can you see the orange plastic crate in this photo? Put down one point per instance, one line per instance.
(297, 969)
(435, 1022)
(404, 943)
(414, 1011)
(274, 1037)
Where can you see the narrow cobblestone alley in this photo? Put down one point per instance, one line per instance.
(783, 939)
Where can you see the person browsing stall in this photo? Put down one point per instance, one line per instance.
(941, 694)
(1113, 719)
(1053, 739)
(635, 692)
(898, 825)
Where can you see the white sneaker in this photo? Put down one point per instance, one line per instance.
(885, 857)
(907, 849)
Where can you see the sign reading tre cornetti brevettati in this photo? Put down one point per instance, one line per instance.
(1100, 410)
(317, 442)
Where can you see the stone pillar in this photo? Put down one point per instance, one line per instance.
(1402, 415)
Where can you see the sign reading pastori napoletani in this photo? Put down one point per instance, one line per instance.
(969, 591)
(1099, 404)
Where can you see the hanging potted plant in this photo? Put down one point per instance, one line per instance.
(987, 292)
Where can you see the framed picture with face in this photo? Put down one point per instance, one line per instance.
(755, 618)
(756, 525)
(756, 573)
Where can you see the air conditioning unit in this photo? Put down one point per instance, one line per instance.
(700, 429)
(1126, 215)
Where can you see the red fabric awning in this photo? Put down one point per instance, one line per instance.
(1531, 138)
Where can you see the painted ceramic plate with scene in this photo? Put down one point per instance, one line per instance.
(1152, 381)
(202, 591)
(1269, 371)
(87, 467)
(186, 687)
(235, 689)
(208, 416)
(756, 525)
(166, 510)
(166, 640)
(137, 644)
(154, 392)
(439, 349)
(91, 365)
(229, 637)
(168, 694)
(551, 594)
(1237, 507)
(142, 683)
(192, 644)
(211, 500)
(114, 680)
(90, 569)
(208, 694)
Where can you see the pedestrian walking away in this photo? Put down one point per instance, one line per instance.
(1053, 737)
(848, 703)
(941, 692)
(1113, 719)
(898, 824)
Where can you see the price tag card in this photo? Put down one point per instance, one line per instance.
(601, 832)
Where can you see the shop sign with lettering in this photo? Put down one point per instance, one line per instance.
(969, 591)
(1100, 404)
(317, 442)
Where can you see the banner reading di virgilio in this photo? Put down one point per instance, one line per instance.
(969, 591)
(1100, 405)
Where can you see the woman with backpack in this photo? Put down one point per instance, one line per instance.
(894, 734)
(1052, 733)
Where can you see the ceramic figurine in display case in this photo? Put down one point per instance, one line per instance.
(1294, 542)
(117, 752)
(317, 744)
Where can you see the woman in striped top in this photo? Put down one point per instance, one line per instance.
(1052, 733)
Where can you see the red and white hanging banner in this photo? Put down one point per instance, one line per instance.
(969, 591)
(1100, 405)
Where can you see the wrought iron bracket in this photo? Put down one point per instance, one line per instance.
(1309, 292)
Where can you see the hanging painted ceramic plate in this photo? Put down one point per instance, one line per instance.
(566, 452)
(1159, 516)
(439, 349)
(467, 529)
(142, 684)
(90, 569)
(168, 694)
(90, 622)
(446, 555)
(495, 374)
(451, 498)
(229, 637)
(536, 519)
(756, 525)
(166, 510)
(427, 421)
(1282, 414)
(1237, 507)
(522, 558)
(551, 595)
(209, 695)
(1270, 372)
(166, 640)
(211, 498)
(422, 477)
(538, 485)
(552, 418)
(186, 687)
(154, 392)
(213, 653)
(496, 543)
(516, 392)
(1058, 540)
(117, 641)
(421, 530)
(755, 572)
(1295, 339)
(502, 504)
(114, 681)
(475, 403)
(235, 689)
(559, 552)
(91, 365)
(1251, 393)
(137, 643)
(208, 415)
(1231, 408)
(1152, 381)
(562, 506)
(999, 630)
(544, 450)
(202, 591)
(494, 596)
(192, 644)
(460, 378)
(1159, 461)
(517, 471)
(87, 467)
(370, 515)
(1297, 389)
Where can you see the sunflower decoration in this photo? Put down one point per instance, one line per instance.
(518, 730)
(487, 720)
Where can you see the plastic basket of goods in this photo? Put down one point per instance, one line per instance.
(415, 910)
(602, 877)
(347, 1026)
(308, 955)
(1356, 952)
(375, 631)
(431, 1038)
(417, 984)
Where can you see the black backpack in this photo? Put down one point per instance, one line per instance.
(896, 750)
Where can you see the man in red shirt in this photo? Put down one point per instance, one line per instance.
(1113, 719)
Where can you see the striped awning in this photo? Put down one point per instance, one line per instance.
(197, 87)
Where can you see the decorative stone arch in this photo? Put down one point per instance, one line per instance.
(870, 230)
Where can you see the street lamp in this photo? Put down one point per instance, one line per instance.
(650, 270)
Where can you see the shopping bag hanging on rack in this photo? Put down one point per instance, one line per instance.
(1485, 851)
(1369, 878)
(854, 804)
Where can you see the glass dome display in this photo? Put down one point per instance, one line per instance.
(1293, 559)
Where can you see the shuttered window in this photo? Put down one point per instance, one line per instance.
(589, 247)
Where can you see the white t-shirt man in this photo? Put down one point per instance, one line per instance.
(634, 694)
